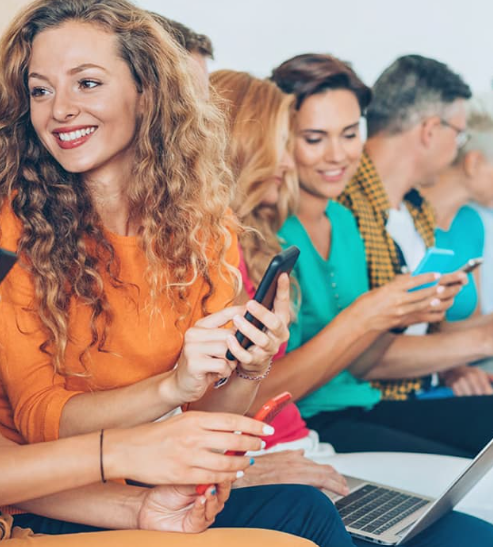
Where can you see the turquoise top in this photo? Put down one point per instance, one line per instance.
(466, 238)
(327, 287)
(486, 272)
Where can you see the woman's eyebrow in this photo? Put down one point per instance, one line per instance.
(75, 70)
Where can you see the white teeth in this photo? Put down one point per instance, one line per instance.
(333, 173)
(73, 135)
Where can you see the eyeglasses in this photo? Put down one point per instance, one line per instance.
(462, 135)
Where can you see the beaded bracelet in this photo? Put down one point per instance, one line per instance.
(101, 466)
(254, 378)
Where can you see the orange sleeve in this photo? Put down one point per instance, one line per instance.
(36, 394)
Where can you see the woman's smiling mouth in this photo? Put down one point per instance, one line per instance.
(71, 137)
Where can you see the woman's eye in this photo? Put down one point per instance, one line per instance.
(350, 135)
(88, 84)
(38, 91)
(312, 141)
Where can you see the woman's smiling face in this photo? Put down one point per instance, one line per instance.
(328, 144)
(84, 101)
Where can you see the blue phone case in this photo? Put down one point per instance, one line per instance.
(435, 260)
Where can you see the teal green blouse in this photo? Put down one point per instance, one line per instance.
(466, 238)
(327, 287)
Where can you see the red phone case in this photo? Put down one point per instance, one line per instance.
(266, 414)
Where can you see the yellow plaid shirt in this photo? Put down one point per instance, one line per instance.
(367, 198)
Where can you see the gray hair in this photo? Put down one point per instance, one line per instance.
(410, 89)
(479, 126)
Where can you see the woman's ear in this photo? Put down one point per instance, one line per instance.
(472, 162)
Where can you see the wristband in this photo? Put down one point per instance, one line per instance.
(101, 466)
(254, 378)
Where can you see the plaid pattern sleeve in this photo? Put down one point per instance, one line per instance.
(366, 197)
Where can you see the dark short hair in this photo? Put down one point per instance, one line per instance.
(313, 73)
(187, 38)
(411, 88)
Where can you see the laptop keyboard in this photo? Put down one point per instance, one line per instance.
(375, 509)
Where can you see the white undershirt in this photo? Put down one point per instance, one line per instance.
(400, 226)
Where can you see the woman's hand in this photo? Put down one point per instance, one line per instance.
(396, 305)
(203, 358)
(468, 380)
(256, 359)
(291, 467)
(186, 449)
(181, 509)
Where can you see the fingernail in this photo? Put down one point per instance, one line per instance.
(252, 461)
(213, 492)
(346, 491)
(203, 500)
(237, 319)
(435, 302)
(440, 289)
(268, 430)
(437, 275)
(239, 474)
(263, 444)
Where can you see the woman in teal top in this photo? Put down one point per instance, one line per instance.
(341, 330)
(327, 287)
(466, 238)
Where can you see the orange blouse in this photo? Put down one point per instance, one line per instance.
(139, 344)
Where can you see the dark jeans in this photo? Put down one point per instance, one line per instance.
(455, 426)
(302, 511)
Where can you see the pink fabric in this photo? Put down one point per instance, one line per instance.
(289, 424)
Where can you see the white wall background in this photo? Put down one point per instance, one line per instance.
(257, 35)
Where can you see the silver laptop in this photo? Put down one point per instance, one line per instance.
(389, 516)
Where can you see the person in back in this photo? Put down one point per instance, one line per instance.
(459, 226)
(416, 125)
(341, 350)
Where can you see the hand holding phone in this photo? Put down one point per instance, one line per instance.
(266, 414)
(266, 291)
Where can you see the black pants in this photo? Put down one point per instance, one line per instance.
(455, 426)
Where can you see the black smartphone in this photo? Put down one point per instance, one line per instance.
(266, 291)
(7, 260)
(472, 264)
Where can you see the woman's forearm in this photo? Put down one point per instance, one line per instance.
(110, 505)
(316, 362)
(128, 406)
(411, 356)
(32, 471)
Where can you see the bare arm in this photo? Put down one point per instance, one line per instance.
(128, 406)
(186, 449)
(411, 356)
(110, 505)
(348, 335)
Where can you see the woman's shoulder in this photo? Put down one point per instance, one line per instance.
(468, 224)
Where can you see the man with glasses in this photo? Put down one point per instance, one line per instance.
(416, 125)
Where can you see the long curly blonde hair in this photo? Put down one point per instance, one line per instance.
(256, 110)
(179, 191)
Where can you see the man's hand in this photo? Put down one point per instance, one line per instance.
(468, 380)
(291, 467)
(181, 509)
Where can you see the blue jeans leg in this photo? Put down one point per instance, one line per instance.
(453, 530)
(293, 508)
